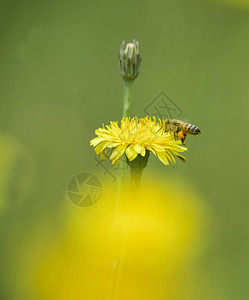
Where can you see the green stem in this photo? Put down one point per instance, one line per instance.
(127, 97)
(118, 254)
(126, 112)
(136, 174)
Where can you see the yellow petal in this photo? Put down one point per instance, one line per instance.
(151, 149)
(182, 158)
(118, 152)
(102, 155)
(98, 149)
(116, 161)
(131, 153)
(140, 149)
(143, 151)
(94, 142)
(162, 157)
(170, 157)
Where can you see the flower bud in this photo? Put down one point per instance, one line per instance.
(129, 59)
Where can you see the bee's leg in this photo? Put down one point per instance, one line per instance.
(184, 139)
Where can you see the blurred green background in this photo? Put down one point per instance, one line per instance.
(59, 81)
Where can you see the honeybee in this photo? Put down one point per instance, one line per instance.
(181, 129)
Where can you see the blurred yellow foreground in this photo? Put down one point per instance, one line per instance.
(142, 250)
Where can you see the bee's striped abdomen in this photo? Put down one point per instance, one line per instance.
(190, 129)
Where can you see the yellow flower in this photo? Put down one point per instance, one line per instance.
(135, 136)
